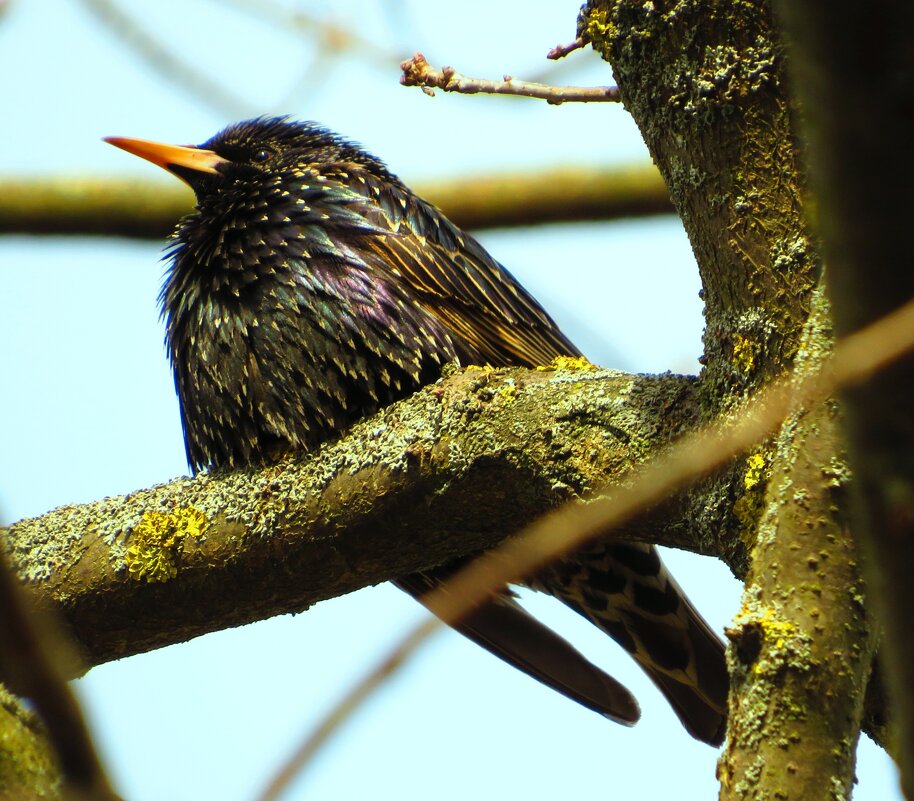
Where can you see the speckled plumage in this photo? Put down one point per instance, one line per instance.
(311, 288)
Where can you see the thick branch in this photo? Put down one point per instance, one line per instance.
(122, 207)
(448, 471)
(705, 83)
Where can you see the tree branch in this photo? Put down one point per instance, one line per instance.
(28, 767)
(707, 87)
(803, 643)
(418, 72)
(175, 561)
(159, 57)
(563, 50)
(148, 210)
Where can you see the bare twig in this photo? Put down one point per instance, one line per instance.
(855, 358)
(562, 50)
(418, 72)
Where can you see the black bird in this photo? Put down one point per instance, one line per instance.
(309, 289)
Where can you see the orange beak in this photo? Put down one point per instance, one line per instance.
(168, 156)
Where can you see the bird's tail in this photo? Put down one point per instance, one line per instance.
(625, 590)
(504, 628)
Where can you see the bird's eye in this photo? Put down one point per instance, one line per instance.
(262, 155)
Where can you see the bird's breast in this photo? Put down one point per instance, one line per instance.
(292, 356)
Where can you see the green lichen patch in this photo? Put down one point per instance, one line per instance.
(507, 392)
(597, 27)
(158, 540)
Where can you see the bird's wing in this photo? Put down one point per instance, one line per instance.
(505, 629)
(458, 281)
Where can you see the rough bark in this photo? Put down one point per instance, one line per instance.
(196, 555)
(803, 648)
(705, 82)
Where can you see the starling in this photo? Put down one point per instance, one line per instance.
(309, 289)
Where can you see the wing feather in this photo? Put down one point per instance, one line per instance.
(454, 277)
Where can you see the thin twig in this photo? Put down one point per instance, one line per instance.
(562, 50)
(418, 72)
(855, 358)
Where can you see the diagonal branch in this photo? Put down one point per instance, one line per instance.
(159, 57)
(31, 659)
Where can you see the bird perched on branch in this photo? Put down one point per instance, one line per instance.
(309, 289)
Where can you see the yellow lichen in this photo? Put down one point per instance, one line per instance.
(743, 353)
(568, 363)
(600, 30)
(786, 644)
(158, 540)
(508, 391)
(755, 470)
(748, 507)
(777, 627)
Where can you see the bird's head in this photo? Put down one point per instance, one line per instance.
(265, 149)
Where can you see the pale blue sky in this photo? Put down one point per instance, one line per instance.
(89, 410)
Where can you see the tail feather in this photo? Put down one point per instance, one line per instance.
(624, 589)
(506, 630)
(704, 721)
